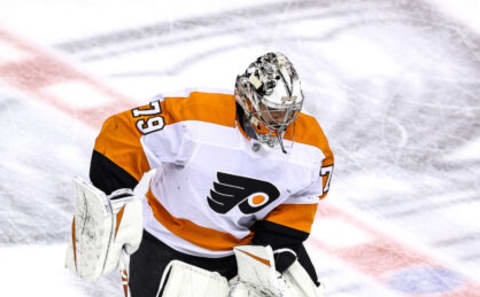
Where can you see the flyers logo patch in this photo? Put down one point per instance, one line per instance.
(251, 195)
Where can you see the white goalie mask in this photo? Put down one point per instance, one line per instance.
(270, 95)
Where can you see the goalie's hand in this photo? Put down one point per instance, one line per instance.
(103, 227)
(257, 277)
(284, 258)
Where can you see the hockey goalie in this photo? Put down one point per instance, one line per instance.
(233, 188)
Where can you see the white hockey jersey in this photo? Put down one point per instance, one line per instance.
(211, 183)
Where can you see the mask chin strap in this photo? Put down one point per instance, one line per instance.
(280, 138)
(280, 141)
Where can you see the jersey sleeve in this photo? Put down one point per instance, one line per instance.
(320, 187)
(133, 142)
(123, 150)
(289, 224)
(118, 159)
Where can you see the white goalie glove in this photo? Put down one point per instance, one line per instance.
(257, 276)
(103, 228)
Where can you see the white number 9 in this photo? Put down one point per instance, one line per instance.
(151, 124)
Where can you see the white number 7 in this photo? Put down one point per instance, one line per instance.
(327, 171)
(156, 109)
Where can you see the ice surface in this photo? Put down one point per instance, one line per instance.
(394, 84)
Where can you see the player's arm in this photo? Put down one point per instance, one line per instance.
(108, 216)
(285, 229)
(289, 224)
(118, 159)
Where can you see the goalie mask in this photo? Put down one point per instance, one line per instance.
(270, 95)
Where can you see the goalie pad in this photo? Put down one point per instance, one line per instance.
(257, 276)
(184, 280)
(103, 227)
(299, 283)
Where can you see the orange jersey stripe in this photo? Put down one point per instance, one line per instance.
(306, 130)
(201, 236)
(295, 216)
(119, 141)
(207, 107)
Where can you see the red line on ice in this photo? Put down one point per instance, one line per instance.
(383, 256)
(41, 69)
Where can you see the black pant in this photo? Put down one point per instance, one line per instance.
(149, 262)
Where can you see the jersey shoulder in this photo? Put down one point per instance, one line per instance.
(307, 130)
(212, 108)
